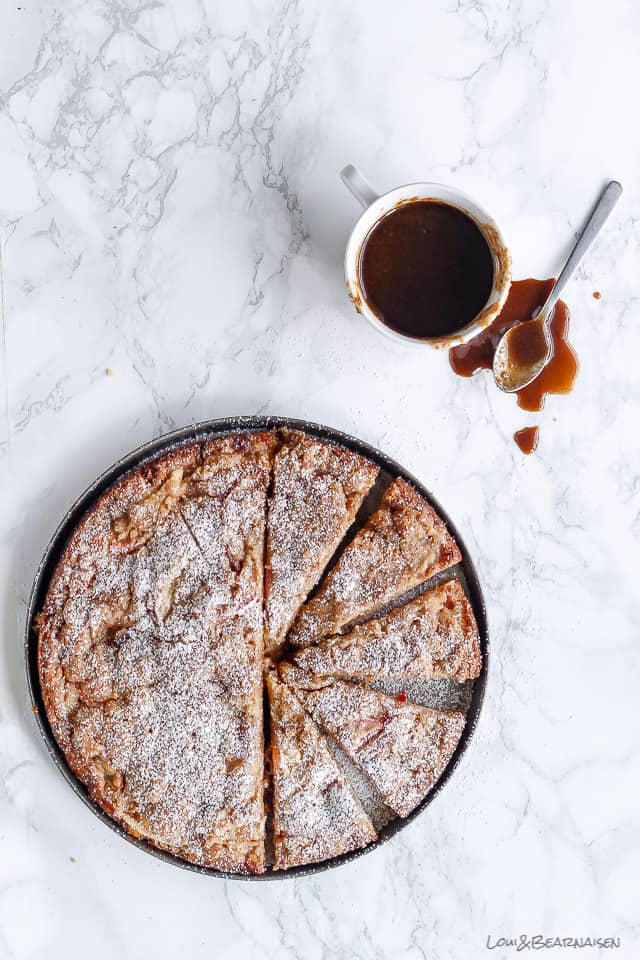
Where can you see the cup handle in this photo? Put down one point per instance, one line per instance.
(359, 187)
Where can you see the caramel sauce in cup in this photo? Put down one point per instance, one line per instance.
(426, 269)
(425, 264)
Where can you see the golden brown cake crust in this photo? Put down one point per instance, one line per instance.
(400, 546)
(401, 746)
(150, 651)
(434, 637)
(316, 814)
(317, 489)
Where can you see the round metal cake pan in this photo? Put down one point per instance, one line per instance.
(200, 431)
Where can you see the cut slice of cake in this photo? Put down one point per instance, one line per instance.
(401, 545)
(434, 637)
(401, 746)
(316, 814)
(316, 492)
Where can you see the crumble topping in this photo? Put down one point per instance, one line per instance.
(402, 747)
(401, 545)
(316, 815)
(316, 492)
(433, 637)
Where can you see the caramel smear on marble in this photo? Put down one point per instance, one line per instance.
(525, 299)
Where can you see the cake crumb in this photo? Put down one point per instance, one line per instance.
(596, 294)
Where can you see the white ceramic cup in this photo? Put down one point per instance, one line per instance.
(376, 206)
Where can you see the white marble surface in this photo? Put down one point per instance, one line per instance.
(171, 211)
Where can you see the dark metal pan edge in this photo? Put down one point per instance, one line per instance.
(152, 449)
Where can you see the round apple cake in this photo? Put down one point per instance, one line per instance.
(216, 638)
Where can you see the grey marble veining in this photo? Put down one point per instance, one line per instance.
(172, 229)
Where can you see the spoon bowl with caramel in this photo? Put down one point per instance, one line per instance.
(525, 349)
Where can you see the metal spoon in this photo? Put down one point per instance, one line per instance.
(525, 348)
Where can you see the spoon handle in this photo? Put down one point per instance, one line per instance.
(608, 199)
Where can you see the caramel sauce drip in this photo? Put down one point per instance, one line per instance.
(527, 439)
(525, 298)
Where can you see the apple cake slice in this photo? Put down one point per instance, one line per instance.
(316, 815)
(434, 637)
(400, 546)
(401, 746)
(317, 489)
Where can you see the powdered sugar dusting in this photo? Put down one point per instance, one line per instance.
(315, 812)
(151, 649)
(402, 544)
(152, 655)
(402, 747)
(317, 490)
(434, 636)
